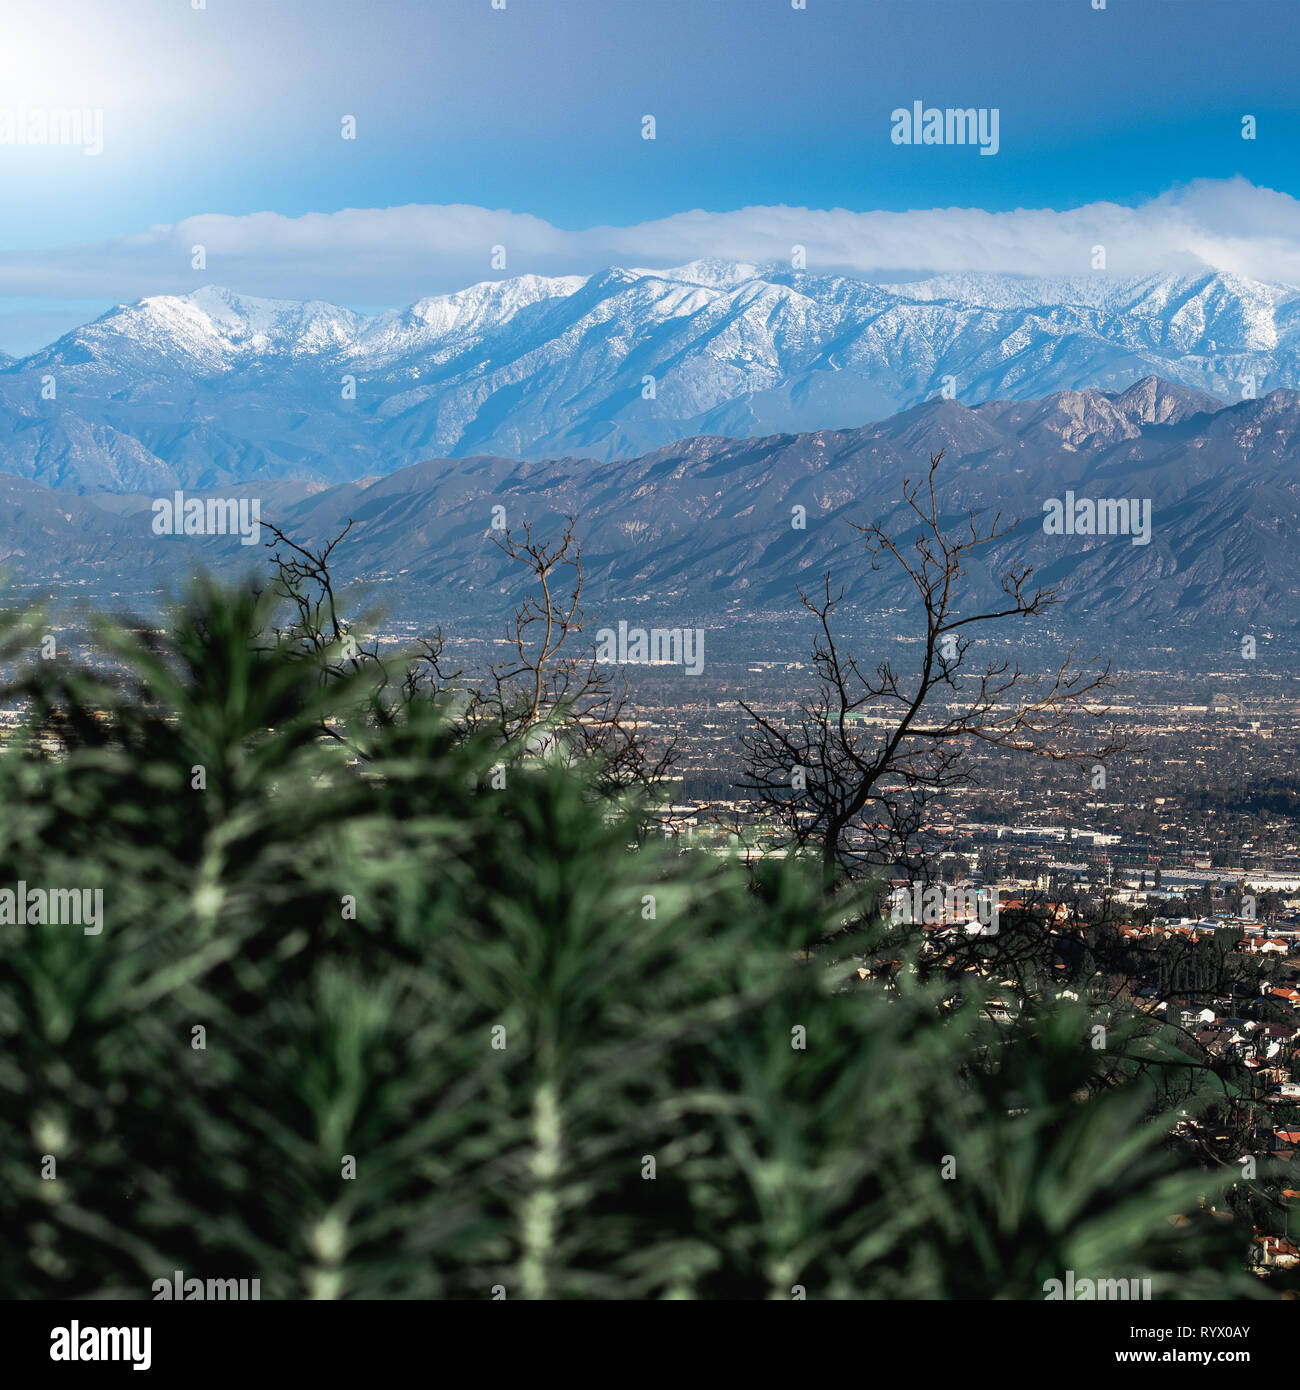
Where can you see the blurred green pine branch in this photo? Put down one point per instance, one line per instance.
(465, 1028)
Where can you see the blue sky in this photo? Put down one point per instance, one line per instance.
(235, 110)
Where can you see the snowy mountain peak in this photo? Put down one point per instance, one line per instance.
(710, 274)
(491, 302)
(212, 327)
(536, 366)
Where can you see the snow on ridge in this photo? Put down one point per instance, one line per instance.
(500, 298)
(732, 347)
(215, 323)
(709, 273)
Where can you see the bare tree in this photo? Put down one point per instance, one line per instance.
(552, 695)
(857, 791)
(317, 627)
(549, 698)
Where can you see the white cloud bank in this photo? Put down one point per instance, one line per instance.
(396, 255)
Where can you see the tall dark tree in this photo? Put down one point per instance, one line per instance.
(857, 791)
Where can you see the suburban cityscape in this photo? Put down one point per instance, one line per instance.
(649, 653)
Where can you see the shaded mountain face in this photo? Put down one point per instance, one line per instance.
(717, 527)
(214, 388)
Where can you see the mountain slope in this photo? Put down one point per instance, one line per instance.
(708, 527)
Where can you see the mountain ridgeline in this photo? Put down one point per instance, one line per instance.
(212, 388)
(715, 527)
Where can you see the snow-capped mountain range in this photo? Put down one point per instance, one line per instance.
(213, 387)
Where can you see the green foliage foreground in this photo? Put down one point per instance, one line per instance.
(537, 1059)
